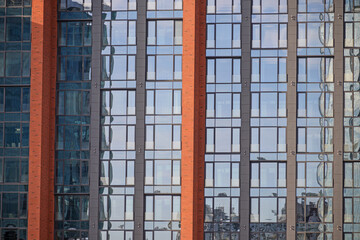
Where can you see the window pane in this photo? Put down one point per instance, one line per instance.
(269, 36)
(223, 6)
(164, 67)
(163, 137)
(223, 35)
(165, 32)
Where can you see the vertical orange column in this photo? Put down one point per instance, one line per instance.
(42, 120)
(193, 119)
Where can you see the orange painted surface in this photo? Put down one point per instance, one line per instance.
(193, 120)
(42, 120)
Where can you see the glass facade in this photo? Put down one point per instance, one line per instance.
(163, 120)
(315, 120)
(277, 101)
(73, 120)
(117, 156)
(268, 120)
(351, 121)
(223, 120)
(15, 47)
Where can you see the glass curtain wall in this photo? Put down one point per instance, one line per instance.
(117, 156)
(315, 89)
(15, 46)
(352, 121)
(73, 120)
(268, 119)
(163, 119)
(223, 120)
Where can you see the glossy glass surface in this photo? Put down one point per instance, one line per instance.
(15, 46)
(163, 120)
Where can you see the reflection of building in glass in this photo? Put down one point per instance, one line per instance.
(180, 119)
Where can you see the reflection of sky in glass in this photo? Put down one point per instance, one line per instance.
(269, 35)
(223, 35)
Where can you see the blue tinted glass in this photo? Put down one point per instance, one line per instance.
(163, 101)
(14, 3)
(72, 210)
(119, 33)
(26, 64)
(223, 70)
(12, 99)
(165, 33)
(223, 105)
(13, 64)
(2, 32)
(26, 29)
(269, 36)
(270, 6)
(25, 135)
(224, 6)
(25, 99)
(223, 35)
(314, 70)
(164, 67)
(12, 135)
(314, 105)
(314, 140)
(268, 105)
(72, 172)
(13, 29)
(315, 6)
(315, 38)
(11, 170)
(268, 140)
(162, 172)
(118, 68)
(72, 137)
(164, 4)
(2, 65)
(269, 70)
(9, 205)
(74, 34)
(74, 68)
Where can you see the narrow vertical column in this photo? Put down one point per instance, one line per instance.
(42, 120)
(291, 122)
(338, 104)
(245, 120)
(193, 120)
(140, 119)
(95, 120)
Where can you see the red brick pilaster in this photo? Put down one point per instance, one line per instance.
(42, 120)
(193, 120)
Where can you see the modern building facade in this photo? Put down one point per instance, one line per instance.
(180, 119)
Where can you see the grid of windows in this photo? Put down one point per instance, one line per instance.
(118, 120)
(268, 145)
(163, 120)
(73, 120)
(268, 120)
(315, 122)
(15, 46)
(315, 135)
(162, 176)
(118, 46)
(351, 121)
(223, 120)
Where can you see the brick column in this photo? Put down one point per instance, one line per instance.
(193, 120)
(42, 120)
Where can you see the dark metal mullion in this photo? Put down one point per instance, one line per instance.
(141, 37)
(94, 164)
(245, 120)
(338, 134)
(291, 130)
